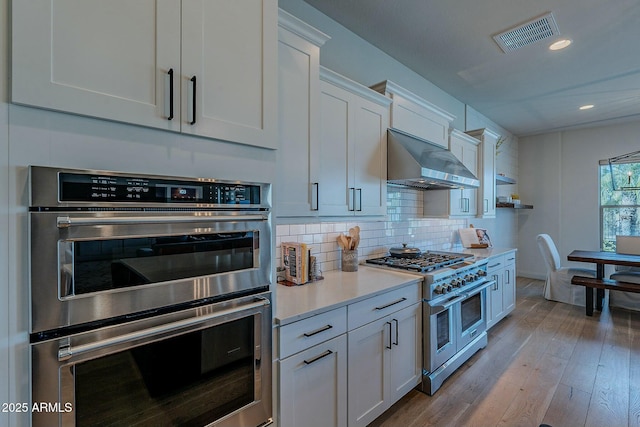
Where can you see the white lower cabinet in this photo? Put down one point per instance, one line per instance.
(501, 297)
(313, 386)
(406, 360)
(313, 371)
(346, 366)
(384, 363)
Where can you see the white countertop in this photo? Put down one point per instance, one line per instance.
(488, 252)
(337, 289)
(340, 288)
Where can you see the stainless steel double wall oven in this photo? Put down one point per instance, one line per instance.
(150, 300)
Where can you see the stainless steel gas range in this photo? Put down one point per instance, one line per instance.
(454, 309)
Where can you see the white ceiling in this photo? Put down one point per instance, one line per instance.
(530, 90)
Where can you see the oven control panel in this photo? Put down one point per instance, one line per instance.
(449, 280)
(117, 188)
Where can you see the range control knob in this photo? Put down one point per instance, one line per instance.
(439, 289)
(482, 273)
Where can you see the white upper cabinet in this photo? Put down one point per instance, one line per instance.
(458, 203)
(416, 116)
(486, 172)
(353, 149)
(299, 117)
(230, 47)
(134, 62)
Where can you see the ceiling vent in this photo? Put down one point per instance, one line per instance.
(528, 33)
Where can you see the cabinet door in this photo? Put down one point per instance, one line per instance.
(463, 201)
(406, 357)
(509, 285)
(470, 160)
(368, 159)
(298, 105)
(108, 59)
(313, 386)
(230, 48)
(336, 192)
(494, 300)
(495, 306)
(419, 121)
(368, 370)
(488, 184)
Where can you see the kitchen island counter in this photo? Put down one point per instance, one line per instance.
(337, 289)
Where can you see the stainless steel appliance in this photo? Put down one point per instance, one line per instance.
(454, 309)
(150, 300)
(418, 163)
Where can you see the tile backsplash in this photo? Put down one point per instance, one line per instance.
(404, 224)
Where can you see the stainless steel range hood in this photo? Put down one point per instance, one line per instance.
(418, 163)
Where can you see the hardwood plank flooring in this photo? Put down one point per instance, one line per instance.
(546, 363)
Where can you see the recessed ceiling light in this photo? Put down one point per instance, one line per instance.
(586, 107)
(560, 44)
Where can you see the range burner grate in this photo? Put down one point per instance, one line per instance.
(423, 263)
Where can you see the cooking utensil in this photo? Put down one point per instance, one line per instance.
(342, 241)
(405, 252)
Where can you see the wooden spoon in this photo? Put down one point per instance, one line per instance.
(345, 242)
(353, 235)
(357, 236)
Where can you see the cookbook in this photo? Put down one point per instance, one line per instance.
(295, 257)
(474, 237)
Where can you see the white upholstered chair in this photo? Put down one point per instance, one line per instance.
(628, 300)
(558, 286)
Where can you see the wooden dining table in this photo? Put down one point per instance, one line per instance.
(601, 258)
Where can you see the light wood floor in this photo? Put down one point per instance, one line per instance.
(545, 363)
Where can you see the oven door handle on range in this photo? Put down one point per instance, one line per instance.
(67, 352)
(480, 288)
(438, 308)
(66, 221)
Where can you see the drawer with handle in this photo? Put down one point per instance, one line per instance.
(363, 312)
(300, 335)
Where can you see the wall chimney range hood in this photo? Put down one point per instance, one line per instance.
(418, 163)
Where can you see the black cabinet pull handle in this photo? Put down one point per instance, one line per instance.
(389, 346)
(315, 359)
(170, 72)
(382, 307)
(359, 190)
(397, 331)
(317, 185)
(193, 101)
(317, 331)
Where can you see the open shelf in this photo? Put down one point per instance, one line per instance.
(513, 206)
(504, 180)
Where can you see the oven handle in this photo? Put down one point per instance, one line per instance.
(66, 221)
(67, 352)
(438, 308)
(480, 288)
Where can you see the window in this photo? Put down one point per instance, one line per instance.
(619, 202)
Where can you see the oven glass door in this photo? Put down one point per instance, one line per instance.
(442, 334)
(169, 375)
(473, 315)
(102, 264)
(91, 266)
